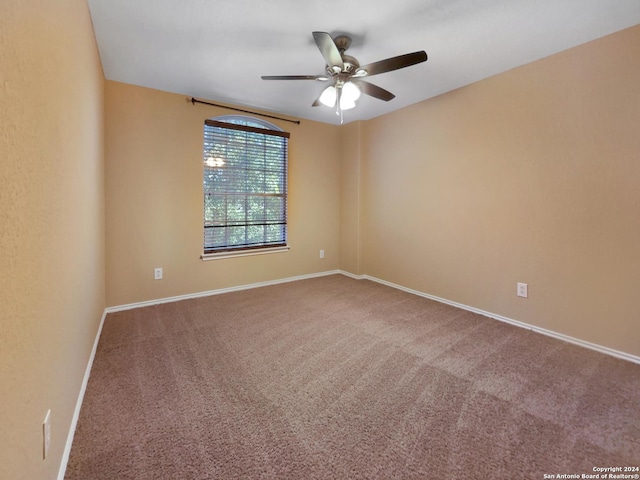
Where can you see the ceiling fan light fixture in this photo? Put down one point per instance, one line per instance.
(328, 96)
(346, 104)
(350, 92)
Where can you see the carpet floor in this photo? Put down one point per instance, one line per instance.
(336, 378)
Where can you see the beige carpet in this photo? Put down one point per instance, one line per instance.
(335, 378)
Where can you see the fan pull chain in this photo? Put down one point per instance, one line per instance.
(338, 102)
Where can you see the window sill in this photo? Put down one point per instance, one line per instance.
(242, 253)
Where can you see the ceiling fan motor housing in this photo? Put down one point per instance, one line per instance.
(350, 64)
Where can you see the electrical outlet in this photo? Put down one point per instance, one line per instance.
(46, 435)
(321, 253)
(522, 290)
(157, 274)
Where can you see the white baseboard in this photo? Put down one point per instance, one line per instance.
(76, 413)
(517, 323)
(353, 275)
(219, 291)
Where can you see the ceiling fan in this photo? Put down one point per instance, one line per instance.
(347, 76)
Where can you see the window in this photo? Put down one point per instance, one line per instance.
(245, 185)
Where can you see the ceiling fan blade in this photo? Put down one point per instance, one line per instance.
(316, 103)
(395, 63)
(328, 49)
(373, 90)
(294, 77)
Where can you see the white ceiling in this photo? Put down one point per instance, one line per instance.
(218, 49)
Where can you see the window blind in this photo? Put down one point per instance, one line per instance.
(245, 187)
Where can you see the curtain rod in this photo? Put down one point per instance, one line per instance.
(195, 100)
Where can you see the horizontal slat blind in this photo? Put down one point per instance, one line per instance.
(245, 187)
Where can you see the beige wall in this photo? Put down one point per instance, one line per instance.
(529, 176)
(51, 224)
(154, 200)
(350, 196)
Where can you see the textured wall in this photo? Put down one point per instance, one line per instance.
(154, 200)
(350, 193)
(529, 176)
(51, 224)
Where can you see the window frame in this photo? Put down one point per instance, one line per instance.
(250, 125)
